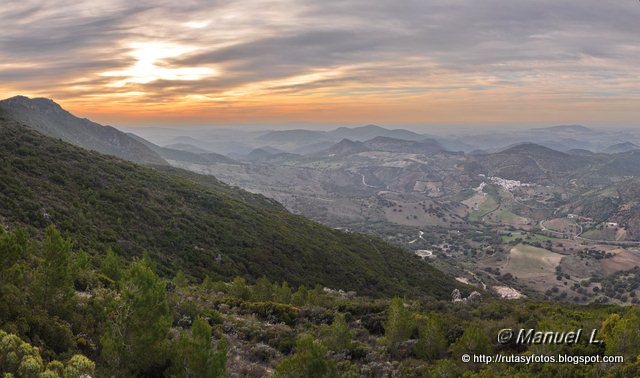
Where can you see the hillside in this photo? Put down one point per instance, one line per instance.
(204, 228)
(50, 119)
(234, 329)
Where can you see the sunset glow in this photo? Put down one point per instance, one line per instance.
(346, 62)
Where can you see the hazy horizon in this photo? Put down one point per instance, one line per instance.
(461, 129)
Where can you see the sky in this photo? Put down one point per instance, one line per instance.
(327, 62)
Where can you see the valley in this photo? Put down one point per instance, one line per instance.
(540, 222)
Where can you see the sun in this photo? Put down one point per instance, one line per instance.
(151, 65)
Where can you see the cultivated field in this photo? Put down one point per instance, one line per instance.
(531, 263)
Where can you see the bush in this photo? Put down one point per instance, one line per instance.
(272, 312)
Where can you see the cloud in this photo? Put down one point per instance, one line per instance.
(275, 53)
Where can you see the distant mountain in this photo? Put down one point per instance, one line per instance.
(293, 136)
(50, 119)
(344, 148)
(564, 144)
(621, 147)
(456, 144)
(478, 152)
(186, 140)
(348, 147)
(564, 129)
(580, 152)
(271, 150)
(312, 141)
(265, 154)
(529, 162)
(187, 147)
(534, 150)
(528, 148)
(191, 222)
(279, 158)
(184, 156)
(218, 144)
(426, 146)
(308, 149)
(622, 164)
(368, 132)
(259, 154)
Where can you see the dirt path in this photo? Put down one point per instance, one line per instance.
(369, 186)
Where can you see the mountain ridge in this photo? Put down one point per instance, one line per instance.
(51, 119)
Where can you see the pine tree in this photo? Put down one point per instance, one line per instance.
(180, 280)
(195, 355)
(282, 293)
(399, 325)
(140, 320)
(111, 266)
(263, 290)
(12, 248)
(54, 283)
(473, 340)
(239, 288)
(301, 296)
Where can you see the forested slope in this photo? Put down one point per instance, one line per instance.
(203, 228)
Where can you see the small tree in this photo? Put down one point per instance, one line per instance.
(432, 342)
(338, 337)
(140, 320)
(79, 366)
(282, 293)
(622, 335)
(111, 266)
(180, 280)
(301, 296)
(309, 361)
(12, 248)
(196, 357)
(473, 340)
(239, 288)
(399, 325)
(18, 358)
(263, 290)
